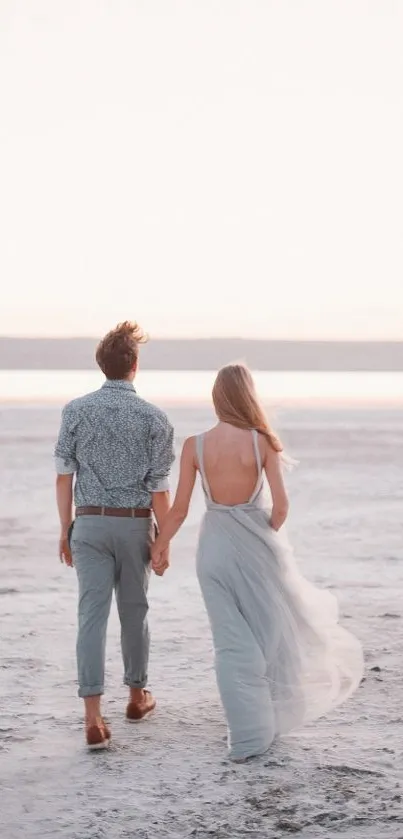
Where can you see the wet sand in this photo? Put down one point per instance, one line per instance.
(170, 777)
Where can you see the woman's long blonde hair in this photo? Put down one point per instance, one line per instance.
(236, 402)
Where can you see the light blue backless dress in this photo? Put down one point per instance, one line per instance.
(281, 657)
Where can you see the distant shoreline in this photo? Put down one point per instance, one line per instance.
(210, 354)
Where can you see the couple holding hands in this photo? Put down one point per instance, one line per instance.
(281, 657)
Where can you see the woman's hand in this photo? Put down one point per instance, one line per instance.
(159, 559)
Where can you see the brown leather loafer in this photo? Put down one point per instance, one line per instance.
(139, 710)
(98, 736)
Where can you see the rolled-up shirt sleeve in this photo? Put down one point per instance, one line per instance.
(162, 455)
(65, 449)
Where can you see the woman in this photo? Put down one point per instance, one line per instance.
(281, 658)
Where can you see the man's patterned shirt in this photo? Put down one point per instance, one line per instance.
(119, 446)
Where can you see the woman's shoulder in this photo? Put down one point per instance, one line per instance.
(191, 451)
(267, 453)
(207, 433)
(189, 447)
(192, 444)
(190, 441)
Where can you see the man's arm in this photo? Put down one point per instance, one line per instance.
(161, 502)
(66, 466)
(162, 457)
(64, 497)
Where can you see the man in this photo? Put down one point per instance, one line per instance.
(120, 448)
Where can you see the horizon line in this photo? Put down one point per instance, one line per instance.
(211, 338)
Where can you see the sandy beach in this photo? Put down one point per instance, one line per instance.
(169, 777)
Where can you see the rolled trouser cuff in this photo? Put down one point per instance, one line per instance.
(130, 683)
(92, 690)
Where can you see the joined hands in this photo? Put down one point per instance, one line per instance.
(159, 559)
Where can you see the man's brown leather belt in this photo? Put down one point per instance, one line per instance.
(120, 512)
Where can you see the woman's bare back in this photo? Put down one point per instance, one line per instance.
(230, 464)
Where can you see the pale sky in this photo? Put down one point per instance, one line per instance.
(208, 167)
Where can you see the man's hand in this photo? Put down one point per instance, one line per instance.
(159, 560)
(64, 495)
(64, 549)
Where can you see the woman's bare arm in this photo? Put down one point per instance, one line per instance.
(272, 467)
(179, 510)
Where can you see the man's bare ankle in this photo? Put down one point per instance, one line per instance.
(136, 694)
(93, 720)
(92, 706)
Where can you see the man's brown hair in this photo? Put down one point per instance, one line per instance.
(118, 351)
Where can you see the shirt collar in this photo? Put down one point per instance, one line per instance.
(119, 384)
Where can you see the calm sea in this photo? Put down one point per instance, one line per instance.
(35, 386)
